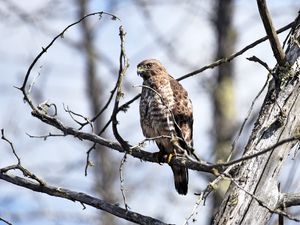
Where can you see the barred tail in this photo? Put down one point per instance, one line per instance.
(181, 179)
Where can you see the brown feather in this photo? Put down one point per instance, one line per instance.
(164, 100)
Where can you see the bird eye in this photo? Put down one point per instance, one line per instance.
(149, 65)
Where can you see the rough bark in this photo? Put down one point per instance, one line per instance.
(254, 194)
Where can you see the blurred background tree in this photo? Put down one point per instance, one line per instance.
(80, 71)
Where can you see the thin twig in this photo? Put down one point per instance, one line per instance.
(247, 157)
(33, 82)
(216, 63)
(18, 166)
(122, 188)
(194, 210)
(107, 103)
(5, 221)
(88, 162)
(246, 119)
(105, 127)
(264, 204)
(123, 63)
(45, 49)
(264, 64)
(72, 114)
(11, 146)
(45, 137)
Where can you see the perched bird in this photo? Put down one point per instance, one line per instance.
(166, 115)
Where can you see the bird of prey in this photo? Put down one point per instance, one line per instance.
(166, 115)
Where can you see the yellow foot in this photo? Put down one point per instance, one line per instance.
(163, 158)
(169, 157)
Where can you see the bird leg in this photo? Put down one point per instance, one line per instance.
(164, 157)
(160, 156)
(170, 156)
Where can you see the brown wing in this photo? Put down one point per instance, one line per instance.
(183, 113)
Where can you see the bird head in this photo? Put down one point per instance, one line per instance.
(149, 67)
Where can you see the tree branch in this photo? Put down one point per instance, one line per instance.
(270, 30)
(82, 198)
(134, 151)
(288, 200)
(123, 63)
(5, 221)
(231, 57)
(45, 49)
(138, 152)
(216, 63)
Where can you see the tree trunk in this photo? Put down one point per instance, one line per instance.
(223, 94)
(255, 189)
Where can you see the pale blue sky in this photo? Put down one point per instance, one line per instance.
(61, 81)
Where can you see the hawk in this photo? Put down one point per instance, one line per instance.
(166, 115)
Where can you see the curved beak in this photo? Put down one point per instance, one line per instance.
(140, 70)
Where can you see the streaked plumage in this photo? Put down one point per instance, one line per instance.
(165, 103)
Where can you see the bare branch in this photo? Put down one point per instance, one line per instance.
(216, 63)
(147, 156)
(247, 157)
(18, 166)
(264, 64)
(44, 50)
(72, 114)
(5, 221)
(231, 57)
(123, 62)
(265, 204)
(46, 136)
(88, 162)
(83, 199)
(107, 103)
(194, 210)
(11, 146)
(123, 161)
(271, 33)
(247, 118)
(288, 200)
(136, 152)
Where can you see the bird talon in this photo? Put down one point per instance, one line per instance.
(169, 157)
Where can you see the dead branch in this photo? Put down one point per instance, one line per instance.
(233, 147)
(45, 49)
(238, 53)
(5, 221)
(271, 33)
(219, 62)
(123, 62)
(138, 152)
(264, 64)
(88, 162)
(122, 188)
(82, 198)
(288, 200)
(134, 151)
